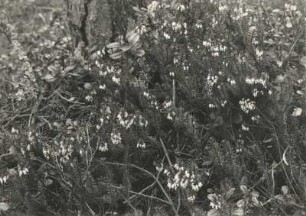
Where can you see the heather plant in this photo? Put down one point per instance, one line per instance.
(191, 108)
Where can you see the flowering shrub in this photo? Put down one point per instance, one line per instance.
(198, 108)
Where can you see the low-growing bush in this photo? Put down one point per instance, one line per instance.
(195, 108)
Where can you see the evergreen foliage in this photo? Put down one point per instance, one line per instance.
(190, 108)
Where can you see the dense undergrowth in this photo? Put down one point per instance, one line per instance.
(197, 109)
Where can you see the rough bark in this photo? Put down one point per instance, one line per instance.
(90, 21)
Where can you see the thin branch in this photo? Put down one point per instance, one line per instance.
(166, 154)
(154, 177)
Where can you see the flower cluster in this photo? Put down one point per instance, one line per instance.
(231, 81)
(141, 144)
(297, 111)
(167, 104)
(245, 128)
(212, 80)
(27, 68)
(215, 50)
(262, 81)
(22, 171)
(171, 115)
(106, 113)
(103, 148)
(116, 138)
(182, 178)
(4, 179)
(111, 71)
(58, 151)
(201, 66)
(215, 201)
(247, 105)
(125, 120)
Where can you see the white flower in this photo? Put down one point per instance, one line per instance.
(103, 148)
(25, 171)
(211, 106)
(22, 172)
(191, 198)
(206, 43)
(116, 138)
(223, 103)
(146, 94)
(250, 81)
(159, 168)
(276, 11)
(187, 174)
(3, 179)
(297, 111)
(247, 105)
(98, 127)
(212, 80)
(176, 26)
(279, 63)
(142, 121)
(181, 8)
(184, 183)
(87, 86)
(200, 184)
(255, 92)
(166, 172)
(125, 120)
(255, 118)
(196, 186)
(169, 185)
(102, 87)
(171, 115)
(152, 7)
(259, 53)
(223, 8)
(103, 73)
(20, 95)
(14, 130)
(141, 144)
(216, 205)
(116, 80)
(167, 36)
(253, 81)
(289, 24)
(167, 104)
(89, 98)
(245, 128)
(223, 48)
(231, 81)
(199, 25)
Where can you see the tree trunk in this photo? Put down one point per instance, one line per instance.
(90, 21)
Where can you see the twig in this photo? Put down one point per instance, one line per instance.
(90, 210)
(70, 101)
(150, 197)
(138, 194)
(154, 177)
(146, 188)
(166, 154)
(142, 191)
(6, 154)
